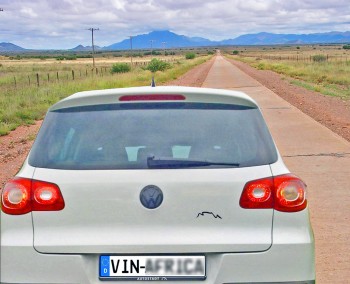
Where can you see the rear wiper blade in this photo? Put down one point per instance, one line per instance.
(161, 163)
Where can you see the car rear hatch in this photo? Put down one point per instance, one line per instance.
(99, 156)
(200, 212)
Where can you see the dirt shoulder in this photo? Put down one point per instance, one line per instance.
(14, 147)
(332, 112)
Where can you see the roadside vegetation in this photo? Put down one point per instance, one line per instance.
(121, 68)
(324, 69)
(28, 89)
(190, 55)
(157, 65)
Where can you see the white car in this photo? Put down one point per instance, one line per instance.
(168, 184)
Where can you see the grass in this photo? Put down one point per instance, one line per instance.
(23, 104)
(328, 77)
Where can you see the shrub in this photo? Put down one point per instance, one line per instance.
(84, 56)
(261, 66)
(120, 68)
(154, 52)
(169, 53)
(71, 57)
(190, 55)
(210, 52)
(319, 58)
(157, 65)
(347, 46)
(235, 52)
(67, 57)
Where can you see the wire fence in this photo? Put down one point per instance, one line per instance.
(303, 58)
(43, 78)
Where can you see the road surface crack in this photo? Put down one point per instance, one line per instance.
(337, 155)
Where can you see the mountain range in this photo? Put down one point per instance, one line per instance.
(7, 46)
(161, 39)
(84, 48)
(168, 39)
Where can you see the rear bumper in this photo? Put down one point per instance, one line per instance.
(280, 264)
(290, 259)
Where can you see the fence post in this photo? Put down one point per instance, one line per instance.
(29, 79)
(80, 72)
(48, 77)
(37, 79)
(73, 74)
(14, 77)
(86, 72)
(58, 79)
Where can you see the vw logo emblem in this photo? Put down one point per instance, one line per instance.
(151, 196)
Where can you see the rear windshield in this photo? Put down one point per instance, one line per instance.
(124, 136)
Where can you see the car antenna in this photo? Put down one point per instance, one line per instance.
(153, 83)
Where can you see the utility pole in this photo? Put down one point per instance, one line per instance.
(164, 46)
(131, 50)
(93, 46)
(152, 41)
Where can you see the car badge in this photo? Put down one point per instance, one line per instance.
(151, 196)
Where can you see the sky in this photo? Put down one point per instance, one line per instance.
(63, 24)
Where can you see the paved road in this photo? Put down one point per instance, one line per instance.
(316, 154)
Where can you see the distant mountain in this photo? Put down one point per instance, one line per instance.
(84, 48)
(159, 40)
(269, 38)
(8, 47)
(167, 39)
(175, 40)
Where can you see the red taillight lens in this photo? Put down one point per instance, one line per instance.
(257, 194)
(21, 196)
(15, 197)
(283, 193)
(289, 193)
(46, 196)
(160, 97)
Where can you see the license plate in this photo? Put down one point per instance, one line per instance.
(152, 268)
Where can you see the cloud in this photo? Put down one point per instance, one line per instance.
(64, 23)
(29, 12)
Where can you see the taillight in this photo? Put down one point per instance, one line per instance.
(283, 193)
(15, 197)
(289, 193)
(258, 194)
(22, 195)
(46, 196)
